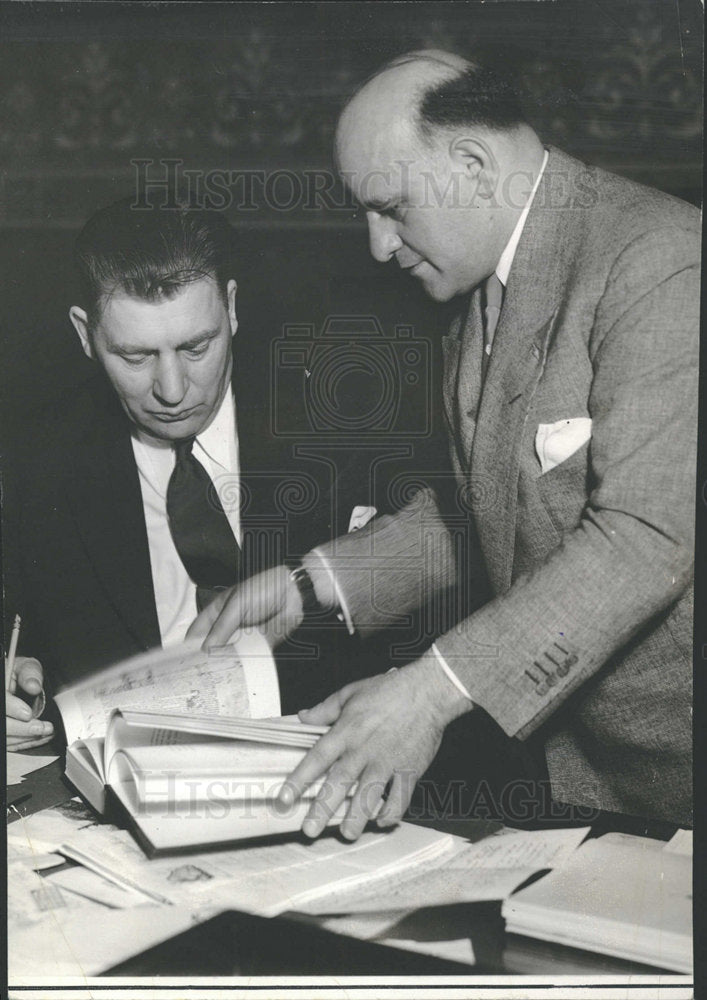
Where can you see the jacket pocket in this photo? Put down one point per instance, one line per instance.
(564, 490)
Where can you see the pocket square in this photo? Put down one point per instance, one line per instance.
(360, 516)
(554, 443)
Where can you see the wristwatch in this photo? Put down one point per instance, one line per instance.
(303, 582)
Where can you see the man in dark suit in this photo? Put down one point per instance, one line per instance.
(570, 399)
(120, 538)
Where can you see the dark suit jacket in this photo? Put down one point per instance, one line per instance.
(78, 564)
(586, 640)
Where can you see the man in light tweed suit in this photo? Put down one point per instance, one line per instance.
(570, 397)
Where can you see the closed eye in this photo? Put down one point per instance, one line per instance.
(134, 360)
(388, 210)
(198, 350)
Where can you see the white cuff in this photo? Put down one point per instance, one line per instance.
(450, 673)
(344, 614)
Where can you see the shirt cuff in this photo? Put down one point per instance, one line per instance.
(450, 673)
(343, 613)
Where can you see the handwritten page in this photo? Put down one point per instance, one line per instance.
(437, 887)
(534, 849)
(489, 869)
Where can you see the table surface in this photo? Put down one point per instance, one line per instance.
(209, 950)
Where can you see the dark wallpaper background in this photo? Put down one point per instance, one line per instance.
(86, 89)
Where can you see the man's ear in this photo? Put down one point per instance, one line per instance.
(78, 317)
(231, 289)
(478, 162)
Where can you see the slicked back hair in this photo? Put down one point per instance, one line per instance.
(150, 254)
(478, 96)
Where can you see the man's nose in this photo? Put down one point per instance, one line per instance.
(382, 236)
(170, 384)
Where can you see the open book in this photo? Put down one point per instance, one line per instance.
(169, 738)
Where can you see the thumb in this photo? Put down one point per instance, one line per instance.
(29, 675)
(202, 624)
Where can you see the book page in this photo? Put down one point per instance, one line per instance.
(176, 778)
(177, 679)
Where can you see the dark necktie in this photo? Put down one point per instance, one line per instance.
(494, 300)
(199, 526)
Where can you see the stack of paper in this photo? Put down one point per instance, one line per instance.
(618, 895)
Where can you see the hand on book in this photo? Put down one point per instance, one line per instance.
(385, 732)
(22, 729)
(268, 601)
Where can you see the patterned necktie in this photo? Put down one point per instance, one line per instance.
(199, 526)
(493, 290)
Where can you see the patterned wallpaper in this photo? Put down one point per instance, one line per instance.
(257, 86)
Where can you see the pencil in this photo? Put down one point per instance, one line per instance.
(10, 661)
(97, 866)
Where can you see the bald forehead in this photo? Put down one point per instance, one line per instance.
(390, 100)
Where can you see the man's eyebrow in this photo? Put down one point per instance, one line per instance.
(199, 338)
(194, 341)
(128, 349)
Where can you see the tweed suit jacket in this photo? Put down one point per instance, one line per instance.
(586, 638)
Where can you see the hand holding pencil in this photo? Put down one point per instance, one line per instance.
(22, 673)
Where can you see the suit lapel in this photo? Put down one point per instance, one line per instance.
(468, 386)
(104, 493)
(522, 341)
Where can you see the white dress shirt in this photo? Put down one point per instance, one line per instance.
(503, 268)
(216, 448)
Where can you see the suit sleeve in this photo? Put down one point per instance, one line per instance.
(387, 570)
(631, 555)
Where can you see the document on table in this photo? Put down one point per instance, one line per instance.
(43, 832)
(402, 930)
(266, 879)
(489, 869)
(53, 932)
(89, 885)
(680, 843)
(19, 765)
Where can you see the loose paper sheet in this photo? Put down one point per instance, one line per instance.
(43, 832)
(489, 869)
(265, 879)
(680, 843)
(19, 765)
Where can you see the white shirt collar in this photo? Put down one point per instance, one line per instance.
(503, 267)
(217, 439)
